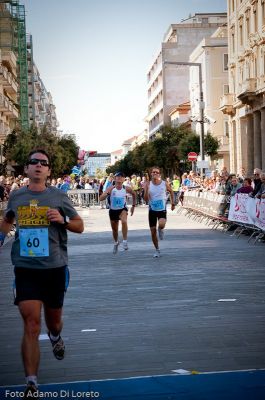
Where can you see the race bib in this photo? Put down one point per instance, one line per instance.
(157, 205)
(118, 202)
(34, 242)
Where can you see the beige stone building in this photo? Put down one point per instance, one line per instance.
(180, 115)
(9, 112)
(168, 86)
(41, 107)
(8, 93)
(212, 54)
(245, 102)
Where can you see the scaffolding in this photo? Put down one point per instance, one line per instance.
(13, 38)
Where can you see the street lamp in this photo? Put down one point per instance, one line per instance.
(201, 120)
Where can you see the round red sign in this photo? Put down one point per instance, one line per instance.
(192, 156)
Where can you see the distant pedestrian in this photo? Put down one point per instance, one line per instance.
(43, 214)
(176, 187)
(155, 194)
(118, 210)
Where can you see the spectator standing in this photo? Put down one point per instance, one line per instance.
(175, 187)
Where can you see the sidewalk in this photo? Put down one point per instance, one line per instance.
(200, 307)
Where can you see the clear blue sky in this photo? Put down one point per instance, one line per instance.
(93, 57)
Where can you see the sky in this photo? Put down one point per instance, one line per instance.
(93, 56)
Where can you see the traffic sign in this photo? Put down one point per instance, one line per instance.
(192, 156)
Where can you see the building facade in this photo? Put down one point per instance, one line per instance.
(9, 79)
(212, 54)
(97, 161)
(41, 108)
(245, 102)
(168, 85)
(24, 99)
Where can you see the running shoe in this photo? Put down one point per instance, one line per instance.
(156, 254)
(161, 233)
(115, 247)
(58, 347)
(125, 246)
(31, 391)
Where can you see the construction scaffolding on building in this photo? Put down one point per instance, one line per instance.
(13, 38)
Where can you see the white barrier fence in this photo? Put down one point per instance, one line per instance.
(209, 203)
(243, 209)
(84, 197)
(246, 210)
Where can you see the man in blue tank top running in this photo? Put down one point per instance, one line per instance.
(118, 210)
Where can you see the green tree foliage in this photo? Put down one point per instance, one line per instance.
(100, 173)
(170, 145)
(63, 149)
(211, 145)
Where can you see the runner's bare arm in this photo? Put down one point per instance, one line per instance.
(171, 193)
(105, 194)
(75, 224)
(146, 191)
(132, 192)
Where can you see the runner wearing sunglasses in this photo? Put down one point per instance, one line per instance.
(39, 254)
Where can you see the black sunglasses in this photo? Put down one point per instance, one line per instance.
(35, 161)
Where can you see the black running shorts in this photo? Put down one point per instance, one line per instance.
(115, 214)
(154, 216)
(47, 285)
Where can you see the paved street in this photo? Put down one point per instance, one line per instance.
(131, 315)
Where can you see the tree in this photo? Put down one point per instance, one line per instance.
(62, 149)
(166, 150)
(211, 145)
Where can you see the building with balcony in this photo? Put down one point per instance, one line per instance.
(168, 85)
(180, 115)
(139, 139)
(244, 104)
(9, 88)
(212, 54)
(41, 108)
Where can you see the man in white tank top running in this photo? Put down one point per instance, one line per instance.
(118, 210)
(155, 194)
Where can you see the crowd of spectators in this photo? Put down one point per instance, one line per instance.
(221, 182)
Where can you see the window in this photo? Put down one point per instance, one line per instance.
(263, 11)
(247, 23)
(255, 19)
(225, 89)
(241, 38)
(205, 20)
(226, 129)
(225, 62)
(232, 36)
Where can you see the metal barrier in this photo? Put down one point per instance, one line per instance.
(84, 197)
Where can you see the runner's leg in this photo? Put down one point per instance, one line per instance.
(30, 311)
(124, 224)
(115, 230)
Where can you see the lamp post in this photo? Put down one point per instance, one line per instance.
(201, 105)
